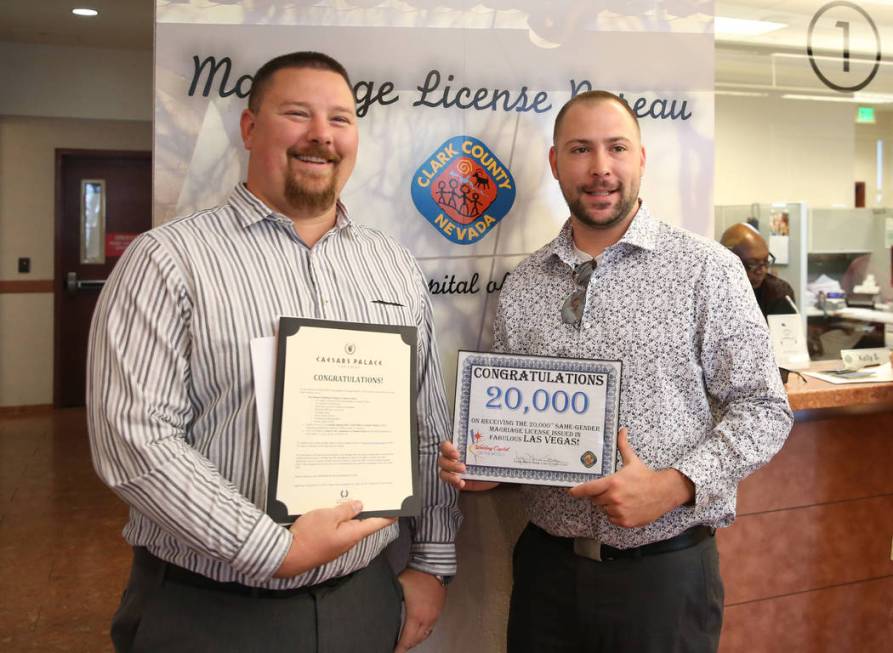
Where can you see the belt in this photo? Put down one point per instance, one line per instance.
(593, 549)
(171, 573)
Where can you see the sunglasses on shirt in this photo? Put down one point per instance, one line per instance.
(572, 308)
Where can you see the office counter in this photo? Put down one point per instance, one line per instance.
(811, 394)
(860, 314)
(807, 565)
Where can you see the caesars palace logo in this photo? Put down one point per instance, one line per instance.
(463, 190)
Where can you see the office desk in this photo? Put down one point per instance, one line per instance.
(807, 565)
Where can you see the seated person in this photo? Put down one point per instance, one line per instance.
(771, 292)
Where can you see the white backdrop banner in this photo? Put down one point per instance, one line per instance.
(456, 100)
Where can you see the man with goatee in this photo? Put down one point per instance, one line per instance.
(628, 563)
(171, 411)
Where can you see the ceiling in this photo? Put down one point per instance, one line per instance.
(777, 63)
(773, 62)
(122, 24)
(796, 15)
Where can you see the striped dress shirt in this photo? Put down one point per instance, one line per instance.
(170, 394)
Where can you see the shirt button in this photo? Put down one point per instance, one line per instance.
(587, 325)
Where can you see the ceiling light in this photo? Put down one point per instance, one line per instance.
(873, 98)
(793, 55)
(744, 27)
(860, 98)
(84, 12)
(741, 93)
(817, 98)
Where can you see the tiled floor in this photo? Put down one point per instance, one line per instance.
(63, 562)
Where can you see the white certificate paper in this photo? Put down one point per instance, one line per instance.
(536, 420)
(344, 419)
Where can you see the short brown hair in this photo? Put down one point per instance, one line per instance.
(593, 97)
(307, 59)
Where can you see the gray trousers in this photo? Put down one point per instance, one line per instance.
(359, 613)
(564, 603)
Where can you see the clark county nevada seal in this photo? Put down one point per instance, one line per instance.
(463, 190)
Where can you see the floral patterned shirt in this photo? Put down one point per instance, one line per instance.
(700, 389)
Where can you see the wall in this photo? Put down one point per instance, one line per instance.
(69, 82)
(27, 227)
(476, 612)
(775, 150)
(865, 164)
(54, 97)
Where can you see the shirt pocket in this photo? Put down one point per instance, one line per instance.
(389, 311)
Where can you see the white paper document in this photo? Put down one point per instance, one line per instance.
(343, 422)
(880, 374)
(263, 362)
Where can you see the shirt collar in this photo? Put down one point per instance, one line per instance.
(643, 230)
(642, 233)
(250, 209)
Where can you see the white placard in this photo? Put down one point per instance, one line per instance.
(788, 341)
(856, 359)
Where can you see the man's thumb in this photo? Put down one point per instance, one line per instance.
(348, 510)
(627, 454)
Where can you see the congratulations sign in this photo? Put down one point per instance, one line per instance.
(536, 420)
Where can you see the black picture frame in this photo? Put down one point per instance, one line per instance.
(289, 326)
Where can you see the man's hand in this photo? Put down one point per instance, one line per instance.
(450, 468)
(637, 494)
(322, 535)
(423, 598)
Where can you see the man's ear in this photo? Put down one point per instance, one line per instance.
(553, 161)
(246, 127)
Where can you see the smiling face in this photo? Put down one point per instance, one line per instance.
(598, 160)
(302, 141)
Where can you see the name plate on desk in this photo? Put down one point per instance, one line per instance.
(536, 420)
(856, 359)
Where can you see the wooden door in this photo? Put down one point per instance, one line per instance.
(103, 200)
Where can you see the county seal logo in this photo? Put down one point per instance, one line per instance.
(463, 190)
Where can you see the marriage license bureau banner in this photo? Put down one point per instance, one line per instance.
(456, 100)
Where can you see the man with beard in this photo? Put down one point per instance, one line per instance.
(171, 412)
(628, 562)
(774, 296)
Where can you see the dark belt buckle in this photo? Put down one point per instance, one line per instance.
(588, 547)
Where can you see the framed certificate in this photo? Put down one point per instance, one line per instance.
(534, 419)
(344, 419)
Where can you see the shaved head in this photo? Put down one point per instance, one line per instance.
(593, 97)
(747, 243)
(741, 233)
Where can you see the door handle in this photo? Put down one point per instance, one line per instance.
(72, 284)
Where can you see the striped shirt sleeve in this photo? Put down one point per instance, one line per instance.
(433, 549)
(139, 413)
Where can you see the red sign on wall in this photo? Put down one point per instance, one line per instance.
(115, 244)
